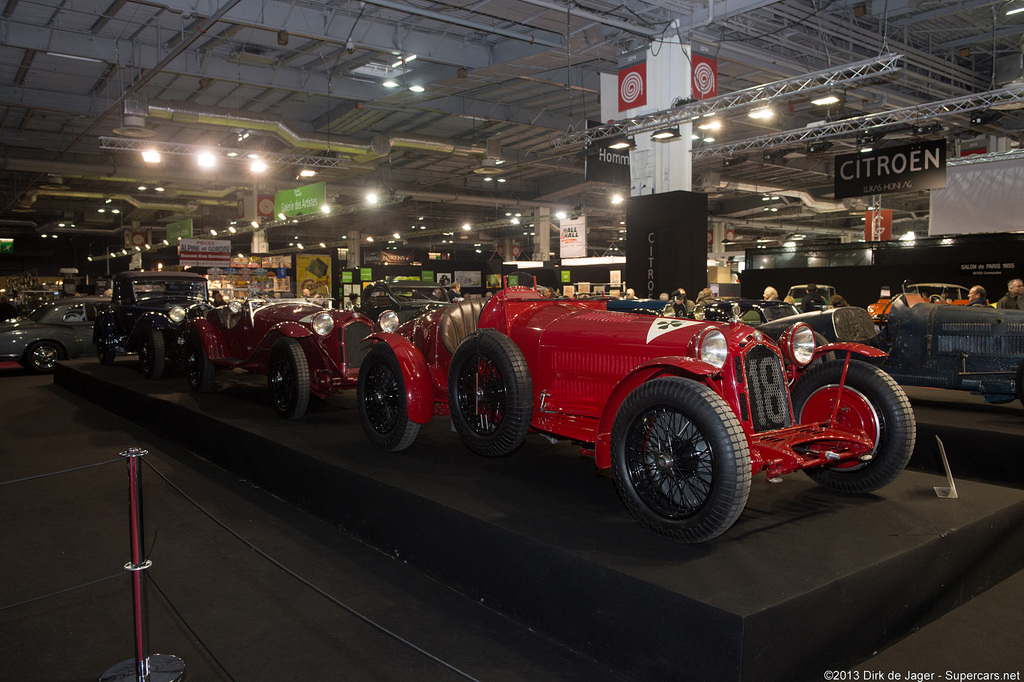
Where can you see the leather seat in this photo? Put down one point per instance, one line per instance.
(459, 321)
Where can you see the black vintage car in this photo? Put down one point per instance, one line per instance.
(147, 315)
(748, 310)
(407, 299)
(967, 348)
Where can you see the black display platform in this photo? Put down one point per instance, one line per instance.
(807, 580)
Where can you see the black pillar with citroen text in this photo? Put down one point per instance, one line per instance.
(666, 243)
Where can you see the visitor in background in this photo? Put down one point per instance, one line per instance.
(812, 300)
(838, 301)
(977, 296)
(1011, 301)
(770, 294)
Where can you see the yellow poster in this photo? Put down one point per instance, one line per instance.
(312, 275)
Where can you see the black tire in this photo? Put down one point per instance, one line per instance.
(152, 353)
(288, 378)
(680, 459)
(198, 368)
(490, 393)
(383, 403)
(42, 356)
(819, 341)
(104, 351)
(873, 402)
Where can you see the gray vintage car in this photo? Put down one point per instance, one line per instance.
(53, 331)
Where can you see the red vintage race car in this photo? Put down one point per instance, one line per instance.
(682, 411)
(302, 347)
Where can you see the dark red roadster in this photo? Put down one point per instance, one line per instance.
(302, 347)
(684, 412)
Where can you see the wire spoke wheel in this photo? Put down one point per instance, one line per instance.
(482, 395)
(680, 459)
(670, 463)
(288, 378)
(383, 410)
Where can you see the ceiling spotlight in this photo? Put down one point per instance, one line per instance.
(825, 101)
(927, 128)
(762, 113)
(666, 134)
(733, 161)
(390, 84)
(983, 118)
(206, 160)
(713, 124)
(307, 173)
(416, 88)
(773, 154)
(819, 146)
(616, 199)
(372, 198)
(151, 156)
(258, 166)
(623, 143)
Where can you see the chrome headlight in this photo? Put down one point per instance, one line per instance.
(323, 323)
(698, 312)
(388, 321)
(798, 344)
(177, 314)
(712, 347)
(235, 306)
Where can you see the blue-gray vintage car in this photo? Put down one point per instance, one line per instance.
(53, 331)
(147, 315)
(968, 348)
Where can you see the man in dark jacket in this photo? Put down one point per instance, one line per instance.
(1012, 299)
(977, 296)
(812, 300)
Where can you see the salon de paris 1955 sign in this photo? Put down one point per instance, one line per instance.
(908, 168)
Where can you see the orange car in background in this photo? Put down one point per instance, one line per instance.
(931, 293)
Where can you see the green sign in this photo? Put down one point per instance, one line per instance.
(365, 274)
(179, 230)
(566, 279)
(427, 275)
(6, 245)
(300, 200)
(346, 276)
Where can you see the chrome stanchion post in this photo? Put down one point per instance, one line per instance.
(143, 668)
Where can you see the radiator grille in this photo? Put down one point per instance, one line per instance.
(766, 386)
(352, 344)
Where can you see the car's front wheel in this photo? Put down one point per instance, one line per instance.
(198, 367)
(105, 350)
(152, 353)
(288, 378)
(680, 459)
(490, 394)
(872, 403)
(42, 356)
(383, 408)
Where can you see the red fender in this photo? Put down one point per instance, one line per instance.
(686, 367)
(419, 392)
(292, 330)
(210, 336)
(840, 348)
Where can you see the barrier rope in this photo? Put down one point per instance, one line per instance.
(57, 473)
(67, 589)
(334, 600)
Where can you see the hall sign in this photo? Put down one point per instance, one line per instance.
(908, 168)
(210, 253)
(300, 200)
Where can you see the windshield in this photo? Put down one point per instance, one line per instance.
(408, 293)
(776, 312)
(194, 289)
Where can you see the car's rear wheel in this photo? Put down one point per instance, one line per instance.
(490, 394)
(383, 407)
(105, 351)
(42, 356)
(680, 459)
(288, 378)
(198, 368)
(872, 403)
(152, 353)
